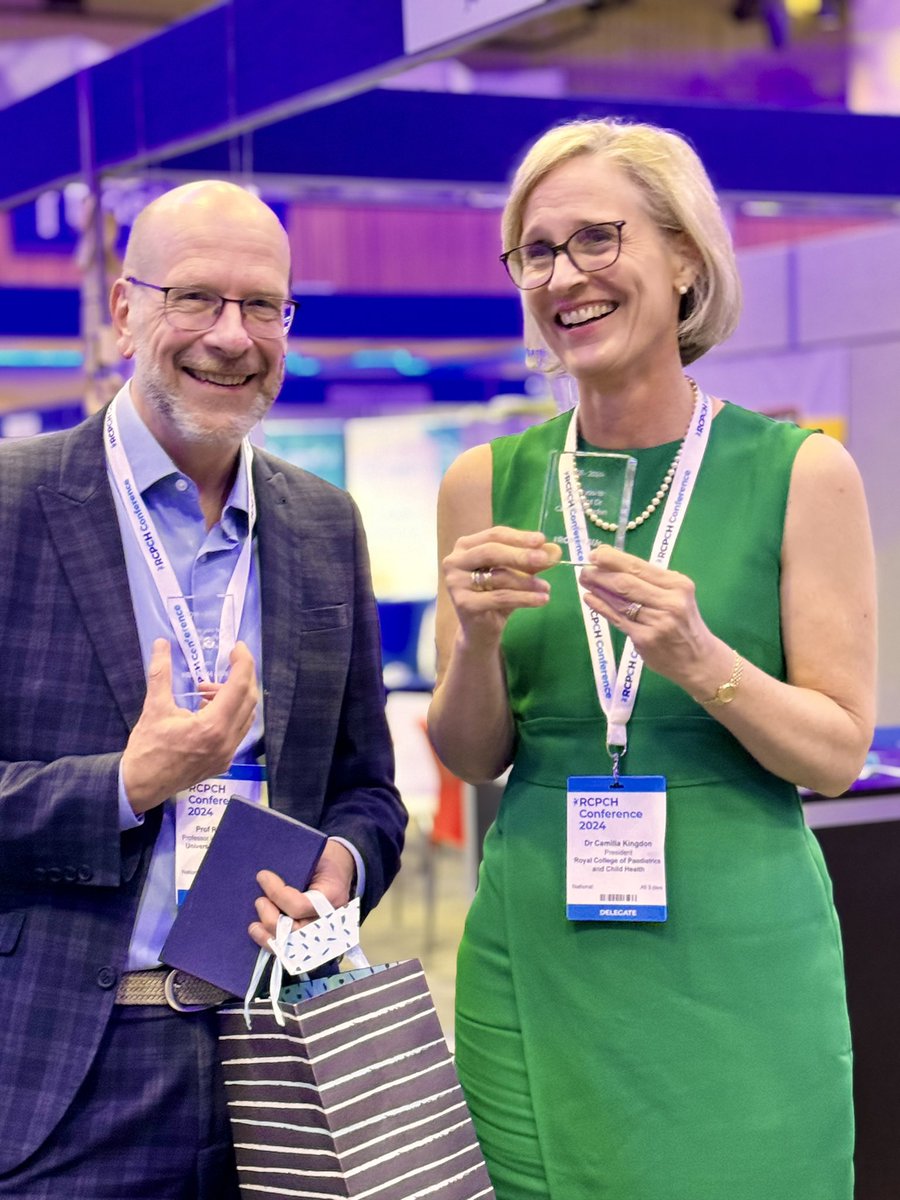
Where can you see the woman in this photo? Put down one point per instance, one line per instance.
(704, 1056)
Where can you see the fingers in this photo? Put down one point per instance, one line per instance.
(207, 691)
(630, 592)
(633, 617)
(656, 608)
(335, 873)
(514, 550)
(281, 896)
(622, 580)
(333, 877)
(241, 660)
(497, 570)
(234, 701)
(172, 748)
(159, 676)
(278, 897)
(503, 579)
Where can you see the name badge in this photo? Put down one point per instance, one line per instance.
(199, 809)
(615, 860)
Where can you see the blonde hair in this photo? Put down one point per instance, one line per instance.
(680, 199)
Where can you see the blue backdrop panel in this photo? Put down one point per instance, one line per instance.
(242, 64)
(388, 134)
(54, 312)
(300, 46)
(183, 79)
(40, 312)
(39, 137)
(115, 88)
(413, 316)
(148, 96)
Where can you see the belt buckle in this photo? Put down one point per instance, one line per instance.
(170, 991)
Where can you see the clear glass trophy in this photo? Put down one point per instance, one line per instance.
(213, 618)
(587, 501)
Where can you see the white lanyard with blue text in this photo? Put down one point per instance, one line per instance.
(617, 691)
(161, 572)
(616, 825)
(198, 809)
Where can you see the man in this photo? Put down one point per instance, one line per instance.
(107, 1092)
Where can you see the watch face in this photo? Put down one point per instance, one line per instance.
(725, 694)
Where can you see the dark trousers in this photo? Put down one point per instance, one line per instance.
(148, 1123)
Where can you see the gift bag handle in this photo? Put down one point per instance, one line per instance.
(333, 935)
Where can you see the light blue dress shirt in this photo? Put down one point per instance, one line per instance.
(203, 561)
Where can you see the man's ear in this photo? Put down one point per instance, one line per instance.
(122, 317)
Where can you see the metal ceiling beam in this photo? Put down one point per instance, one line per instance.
(219, 74)
(273, 87)
(449, 139)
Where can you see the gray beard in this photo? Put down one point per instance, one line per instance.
(190, 425)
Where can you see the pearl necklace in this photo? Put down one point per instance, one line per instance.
(613, 526)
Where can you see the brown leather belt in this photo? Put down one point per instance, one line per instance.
(177, 989)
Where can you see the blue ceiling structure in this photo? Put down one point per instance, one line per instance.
(448, 138)
(290, 87)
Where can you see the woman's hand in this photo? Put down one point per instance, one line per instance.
(815, 726)
(487, 571)
(490, 574)
(658, 610)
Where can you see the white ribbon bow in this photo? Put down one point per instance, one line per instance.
(334, 935)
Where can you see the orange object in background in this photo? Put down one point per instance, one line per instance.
(448, 820)
(447, 827)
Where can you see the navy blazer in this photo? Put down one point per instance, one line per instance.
(71, 689)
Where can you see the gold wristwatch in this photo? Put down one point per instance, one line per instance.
(725, 692)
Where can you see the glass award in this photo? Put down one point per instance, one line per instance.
(587, 501)
(213, 618)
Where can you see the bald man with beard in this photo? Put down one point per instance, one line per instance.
(109, 1087)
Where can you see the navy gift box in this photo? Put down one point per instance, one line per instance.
(209, 937)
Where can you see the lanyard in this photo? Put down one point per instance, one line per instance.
(617, 689)
(161, 571)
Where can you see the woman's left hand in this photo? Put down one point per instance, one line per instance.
(657, 609)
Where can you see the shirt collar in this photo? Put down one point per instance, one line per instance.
(150, 464)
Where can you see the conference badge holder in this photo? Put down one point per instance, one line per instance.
(615, 860)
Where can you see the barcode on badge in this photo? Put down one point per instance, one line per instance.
(618, 897)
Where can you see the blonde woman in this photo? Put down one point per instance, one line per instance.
(695, 1048)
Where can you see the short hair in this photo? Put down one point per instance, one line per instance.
(680, 199)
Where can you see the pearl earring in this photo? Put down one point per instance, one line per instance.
(683, 290)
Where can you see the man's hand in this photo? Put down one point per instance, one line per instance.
(333, 878)
(172, 748)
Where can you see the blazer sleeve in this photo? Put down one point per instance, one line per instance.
(59, 822)
(61, 731)
(361, 802)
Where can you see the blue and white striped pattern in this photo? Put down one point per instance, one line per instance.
(356, 1097)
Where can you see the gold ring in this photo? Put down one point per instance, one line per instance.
(631, 612)
(481, 579)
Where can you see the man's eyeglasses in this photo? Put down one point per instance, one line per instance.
(589, 249)
(194, 310)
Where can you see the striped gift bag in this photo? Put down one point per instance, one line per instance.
(355, 1096)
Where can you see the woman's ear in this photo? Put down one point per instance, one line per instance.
(686, 261)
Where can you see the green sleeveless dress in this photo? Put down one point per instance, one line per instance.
(708, 1057)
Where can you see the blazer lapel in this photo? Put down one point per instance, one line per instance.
(85, 530)
(281, 589)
